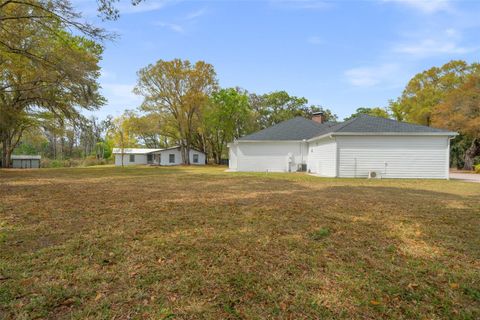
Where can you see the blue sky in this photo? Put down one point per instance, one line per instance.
(339, 54)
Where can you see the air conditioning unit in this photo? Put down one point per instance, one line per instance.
(374, 175)
(301, 167)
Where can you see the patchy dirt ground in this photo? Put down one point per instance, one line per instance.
(199, 243)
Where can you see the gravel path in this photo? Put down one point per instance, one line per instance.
(471, 177)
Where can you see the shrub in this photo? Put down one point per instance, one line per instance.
(91, 161)
(477, 168)
(69, 163)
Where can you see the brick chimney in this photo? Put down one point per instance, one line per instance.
(318, 117)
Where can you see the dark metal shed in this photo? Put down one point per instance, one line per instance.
(25, 161)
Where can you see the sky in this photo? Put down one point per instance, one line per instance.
(338, 54)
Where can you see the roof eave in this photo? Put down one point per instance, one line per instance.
(270, 141)
(320, 137)
(330, 134)
(445, 133)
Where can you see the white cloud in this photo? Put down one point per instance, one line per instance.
(172, 26)
(120, 96)
(430, 47)
(181, 25)
(314, 40)
(425, 6)
(195, 14)
(372, 76)
(443, 43)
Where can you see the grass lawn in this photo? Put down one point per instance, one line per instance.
(199, 243)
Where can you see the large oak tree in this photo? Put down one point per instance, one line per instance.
(180, 90)
(460, 111)
(427, 89)
(59, 73)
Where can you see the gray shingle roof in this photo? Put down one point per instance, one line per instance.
(369, 124)
(294, 129)
(300, 128)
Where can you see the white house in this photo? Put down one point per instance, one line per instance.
(165, 157)
(355, 148)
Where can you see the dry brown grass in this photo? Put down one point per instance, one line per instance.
(198, 243)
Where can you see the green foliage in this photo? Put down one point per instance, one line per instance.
(458, 146)
(226, 118)
(45, 67)
(320, 234)
(106, 149)
(376, 112)
(25, 148)
(459, 111)
(150, 130)
(278, 106)
(71, 163)
(477, 168)
(120, 132)
(427, 89)
(446, 97)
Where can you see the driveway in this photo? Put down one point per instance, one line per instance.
(471, 177)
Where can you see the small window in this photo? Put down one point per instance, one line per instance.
(149, 157)
(132, 158)
(171, 158)
(195, 158)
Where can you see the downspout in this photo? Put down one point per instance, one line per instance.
(304, 142)
(337, 169)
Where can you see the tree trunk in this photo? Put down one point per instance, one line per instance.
(471, 153)
(9, 142)
(5, 153)
(122, 146)
(186, 154)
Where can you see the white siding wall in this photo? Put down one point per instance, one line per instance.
(142, 158)
(232, 156)
(322, 157)
(201, 157)
(267, 156)
(165, 157)
(393, 156)
(139, 159)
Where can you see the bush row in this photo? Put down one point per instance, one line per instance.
(477, 168)
(68, 163)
